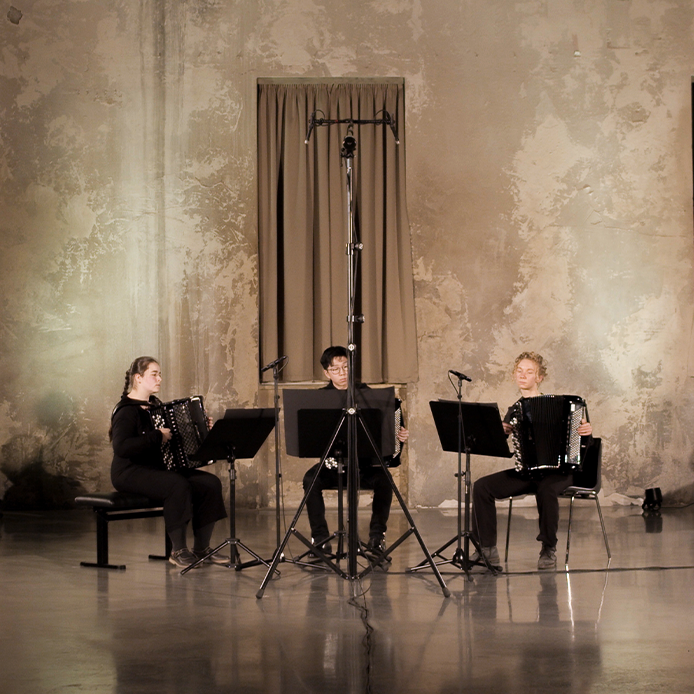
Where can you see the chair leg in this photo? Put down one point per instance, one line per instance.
(602, 523)
(568, 534)
(508, 529)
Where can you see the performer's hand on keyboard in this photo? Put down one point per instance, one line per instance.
(403, 434)
(165, 434)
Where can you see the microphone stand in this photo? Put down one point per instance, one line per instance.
(276, 368)
(278, 470)
(348, 146)
(354, 418)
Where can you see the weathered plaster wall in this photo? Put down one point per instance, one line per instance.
(549, 189)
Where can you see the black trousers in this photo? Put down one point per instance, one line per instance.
(508, 483)
(369, 478)
(185, 495)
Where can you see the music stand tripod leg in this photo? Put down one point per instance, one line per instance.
(280, 549)
(412, 526)
(293, 531)
(340, 533)
(232, 541)
(461, 555)
(461, 558)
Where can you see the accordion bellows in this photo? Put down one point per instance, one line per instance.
(545, 433)
(187, 420)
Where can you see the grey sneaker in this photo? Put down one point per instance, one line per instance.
(221, 559)
(490, 553)
(548, 558)
(182, 558)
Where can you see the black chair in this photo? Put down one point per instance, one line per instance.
(586, 485)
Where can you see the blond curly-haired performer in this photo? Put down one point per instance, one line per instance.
(529, 370)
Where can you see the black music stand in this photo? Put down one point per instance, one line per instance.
(315, 422)
(473, 427)
(314, 419)
(239, 435)
(300, 405)
(316, 427)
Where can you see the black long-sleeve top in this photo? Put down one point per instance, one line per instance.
(133, 436)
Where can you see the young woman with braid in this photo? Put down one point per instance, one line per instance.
(138, 467)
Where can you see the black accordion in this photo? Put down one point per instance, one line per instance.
(187, 420)
(545, 434)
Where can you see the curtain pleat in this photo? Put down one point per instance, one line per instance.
(303, 223)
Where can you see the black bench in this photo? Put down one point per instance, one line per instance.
(113, 506)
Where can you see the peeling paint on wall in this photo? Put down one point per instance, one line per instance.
(549, 193)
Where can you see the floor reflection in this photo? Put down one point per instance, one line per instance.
(150, 630)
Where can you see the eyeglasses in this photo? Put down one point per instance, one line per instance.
(338, 369)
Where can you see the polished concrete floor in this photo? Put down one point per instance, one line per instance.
(629, 628)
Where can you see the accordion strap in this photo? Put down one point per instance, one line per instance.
(129, 402)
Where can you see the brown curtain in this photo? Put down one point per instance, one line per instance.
(303, 230)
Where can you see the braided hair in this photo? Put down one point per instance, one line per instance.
(139, 366)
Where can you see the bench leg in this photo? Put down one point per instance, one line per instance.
(102, 544)
(167, 549)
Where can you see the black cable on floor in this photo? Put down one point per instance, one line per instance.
(368, 631)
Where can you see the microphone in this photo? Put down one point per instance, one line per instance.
(273, 364)
(349, 144)
(311, 125)
(391, 122)
(462, 377)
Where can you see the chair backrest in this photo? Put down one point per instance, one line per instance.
(590, 476)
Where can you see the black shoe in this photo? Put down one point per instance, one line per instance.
(376, 544)
(324, 545)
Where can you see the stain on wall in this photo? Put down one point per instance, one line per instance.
(549, 193)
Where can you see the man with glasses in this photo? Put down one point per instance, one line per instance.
(335, 365)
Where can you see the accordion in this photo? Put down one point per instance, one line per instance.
(187, 420)
(395, 460)
(545, 433)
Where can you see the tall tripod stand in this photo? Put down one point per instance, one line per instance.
(473, 428)
(352, 416)
(308, 414)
